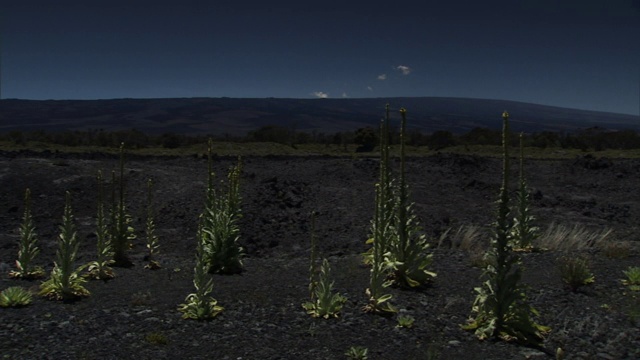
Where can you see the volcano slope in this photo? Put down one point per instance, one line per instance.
(135, 314)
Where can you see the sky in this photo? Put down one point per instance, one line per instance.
(582, 54)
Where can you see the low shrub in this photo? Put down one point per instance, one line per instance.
(15, 296)
(633, 278)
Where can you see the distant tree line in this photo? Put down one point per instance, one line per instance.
(366, 138)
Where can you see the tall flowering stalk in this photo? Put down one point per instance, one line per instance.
(381, 231)
(324, 303)
(199, 305)
(220, 229)
(28, 247)
(150, 231)
(408, 257)
(100, 269)
(501, 306)
(65, 282)
(122, 234)
(523, 232)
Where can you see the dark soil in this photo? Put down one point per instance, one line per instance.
(263, 317)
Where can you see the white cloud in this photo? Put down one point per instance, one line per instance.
(382, 77)
(405, 69)
(320, 94)
(344, 95)
(369, 88)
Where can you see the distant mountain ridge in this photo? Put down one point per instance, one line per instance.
(237, 116)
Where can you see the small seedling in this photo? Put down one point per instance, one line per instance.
(633, 278)
(575, 273)
(357, 353)
(405, 321)
(141, 298)
(15, 296)
(156, 338)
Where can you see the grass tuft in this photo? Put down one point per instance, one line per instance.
(575, 272)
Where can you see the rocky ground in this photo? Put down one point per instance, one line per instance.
(135, 316)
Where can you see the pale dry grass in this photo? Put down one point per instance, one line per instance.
(577, 237)
(472, 239)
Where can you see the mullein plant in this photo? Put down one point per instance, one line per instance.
(381, 231)
(220, 219)
(15, 296)
(122, 233)
(27, 248)
(324, 302)
(524, 233)
(150, 231)
(501, 308)
(199, 305)
(65, 283)
(100, 269)
(408, 256)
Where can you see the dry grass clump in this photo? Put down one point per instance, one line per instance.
(617, 249)
(470, 238)
(570, 238)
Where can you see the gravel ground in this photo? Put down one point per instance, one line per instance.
(135, 316)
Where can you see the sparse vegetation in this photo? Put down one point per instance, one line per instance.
(405, 321)
(357, 353)
(121, 231)
(402, 258)
(150, 231)
(156, 338)
(28, 247)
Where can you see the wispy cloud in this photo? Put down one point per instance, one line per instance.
(369, 88)
(320, 94)
(382, 77)
(344, 95)
(404, 69)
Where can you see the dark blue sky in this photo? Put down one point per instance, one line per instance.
(582, 54)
